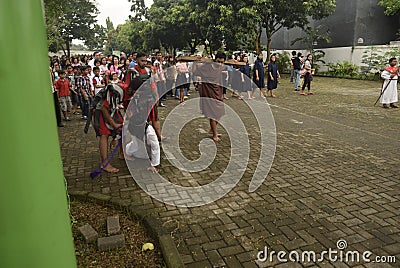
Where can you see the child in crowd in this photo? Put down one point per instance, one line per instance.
(114, 78)
(71, 76)
(63, 87)
(84, 88)
(98, 81)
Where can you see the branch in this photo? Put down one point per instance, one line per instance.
(277, 29)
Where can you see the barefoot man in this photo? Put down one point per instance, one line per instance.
(211, 91)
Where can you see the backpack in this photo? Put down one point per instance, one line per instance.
(114, 94)
(135, 79)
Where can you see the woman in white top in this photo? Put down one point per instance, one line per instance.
(103, 67)
(307, 75)
(181, 79)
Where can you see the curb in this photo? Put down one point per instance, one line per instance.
(169, 250)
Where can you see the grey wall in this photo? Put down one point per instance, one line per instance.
(353, 19)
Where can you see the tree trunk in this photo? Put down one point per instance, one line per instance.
(269, 39)
(68, 48)
(257, 40)
(192, 48)
(257, 44)
(62, 48)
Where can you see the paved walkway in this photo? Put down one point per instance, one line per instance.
(336, 175)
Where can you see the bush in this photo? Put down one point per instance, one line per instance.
(359, 76)
(283, 61)
(375, 60)
(343, 69)
(318, 56)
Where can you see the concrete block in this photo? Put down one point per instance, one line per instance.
(110, 242)
(170, 252)
(113, 226)
(88, 233)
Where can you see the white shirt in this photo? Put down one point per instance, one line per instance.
(390, 86)
(91, 63)
(160, 71)
(137, 148)
(308, 63)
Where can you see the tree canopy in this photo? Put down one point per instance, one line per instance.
(273, 15)
(226, 24)
(182, 24)
(392, 7)
(73, 19)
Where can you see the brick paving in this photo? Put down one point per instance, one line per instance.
(335, 176)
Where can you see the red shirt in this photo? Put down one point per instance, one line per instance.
(392, 69)
(97, 80)
(127, 98)
(62, 85)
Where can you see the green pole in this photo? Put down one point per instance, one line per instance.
(35, 229)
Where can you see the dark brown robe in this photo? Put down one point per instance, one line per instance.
(211, 90)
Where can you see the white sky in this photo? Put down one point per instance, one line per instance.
(117, 10)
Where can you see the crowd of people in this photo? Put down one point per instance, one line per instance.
(99, 88)
(101, 70)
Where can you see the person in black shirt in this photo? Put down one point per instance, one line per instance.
(297, 65)
(292, 74)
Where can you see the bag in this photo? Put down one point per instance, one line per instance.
(303, 72)
(135, 79)
(114, 94)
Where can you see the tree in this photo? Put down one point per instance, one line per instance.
(111, 40)
(139, 9)
(53, 10)
(392, 7)
(311, 37)
(224, 23)
(96, 41)
(189, 23)
(127, 37)
(73, 19)
(273, 15)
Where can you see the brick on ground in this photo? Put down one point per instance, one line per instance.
(110, 242)
(113, 226)
(89, 233)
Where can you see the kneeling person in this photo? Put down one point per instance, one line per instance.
(144, 144)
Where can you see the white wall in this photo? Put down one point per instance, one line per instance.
(350, 54)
